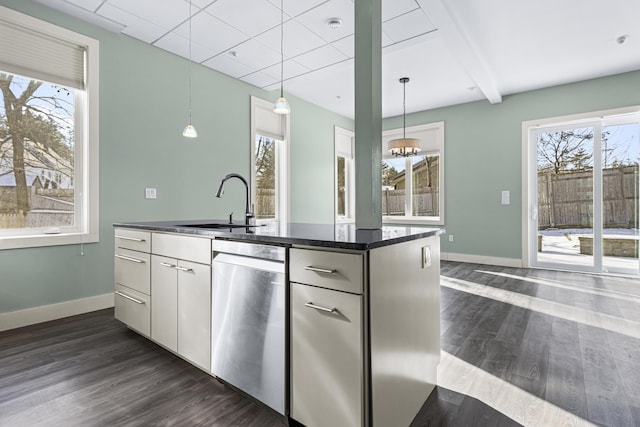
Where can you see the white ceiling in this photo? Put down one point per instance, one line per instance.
(453, 51)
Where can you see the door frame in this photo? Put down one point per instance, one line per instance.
(529, 181)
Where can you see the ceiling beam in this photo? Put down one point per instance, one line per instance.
(465, 51)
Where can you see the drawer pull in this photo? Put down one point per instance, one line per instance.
(317, 307)
(126, 258)
(320, 270)
(185, 269)
(133, 239)
(136, 300)
(166, 264)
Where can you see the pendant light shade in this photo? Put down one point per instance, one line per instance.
(281, 106)
(189, 131)
(404, 147)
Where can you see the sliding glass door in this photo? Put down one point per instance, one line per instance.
(584, 190)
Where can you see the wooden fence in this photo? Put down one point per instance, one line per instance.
(425, 203)
(565, 200)
(265, 203)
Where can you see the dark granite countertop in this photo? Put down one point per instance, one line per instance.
(343, 236)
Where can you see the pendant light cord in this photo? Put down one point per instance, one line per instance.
(190, 61)
(404, 109)
(281, 48)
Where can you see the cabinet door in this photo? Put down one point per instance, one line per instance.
(194, 313)
(326, 357)
(164, 297)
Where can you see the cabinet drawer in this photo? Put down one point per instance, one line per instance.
(326, 357)
(194, 249)
(132, 269)
(133, 239)
(133, 308)
(333, 270)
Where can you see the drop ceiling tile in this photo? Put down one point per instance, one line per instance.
(134, 26)
(297, 39)
(228, 65)
(211, 32)
(317, 19)
(394, 8)
(201, 4)
(346, 45)
(297, 7)
(260, 79)
(252, 17)
(168, 15)
(82, 14)
(321, 57)
(256, 55)
(291, 69)
(180, 46)
(408, 25)
(91, 5)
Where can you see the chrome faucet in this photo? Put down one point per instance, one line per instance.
(248, 214)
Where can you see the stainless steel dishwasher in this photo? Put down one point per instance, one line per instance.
(248, 319)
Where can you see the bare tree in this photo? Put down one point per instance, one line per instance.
(558, 150)
(34, 117)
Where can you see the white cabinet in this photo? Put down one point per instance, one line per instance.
(327, 347)
(132, 279)
(181, 297)
(326, 357)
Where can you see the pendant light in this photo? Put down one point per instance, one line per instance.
(189, 131)
(404, 147)
(281, 106)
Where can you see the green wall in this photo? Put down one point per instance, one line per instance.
(483, 149)
(144, 106)
(143, 109)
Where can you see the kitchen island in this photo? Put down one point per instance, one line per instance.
(354, 324)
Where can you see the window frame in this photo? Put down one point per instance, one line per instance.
(86, 145)
(282, 156)
(350, 177)
(431, 145)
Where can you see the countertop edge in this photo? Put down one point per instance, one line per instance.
(236, 234)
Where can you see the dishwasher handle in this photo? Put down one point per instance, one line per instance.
(253, 263)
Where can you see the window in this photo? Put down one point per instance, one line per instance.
(48, 134)
(413, 187)
(345, 200)
(270, 161)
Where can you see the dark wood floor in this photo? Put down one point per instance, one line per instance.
(571, 341)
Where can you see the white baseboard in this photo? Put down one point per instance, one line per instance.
(45, 313)
(481, 259)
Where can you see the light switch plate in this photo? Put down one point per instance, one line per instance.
(506, 197)
(149, 193)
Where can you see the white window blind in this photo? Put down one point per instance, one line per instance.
(344, 145)
(268, 123)
(26, 51)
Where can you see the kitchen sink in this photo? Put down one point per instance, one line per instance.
(219, 225)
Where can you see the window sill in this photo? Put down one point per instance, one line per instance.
(409, 220)
(40, 240)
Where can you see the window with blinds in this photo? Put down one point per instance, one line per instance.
(269, 160)
(48, 134)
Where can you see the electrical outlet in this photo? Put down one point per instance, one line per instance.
(149, 193)
(451, 237)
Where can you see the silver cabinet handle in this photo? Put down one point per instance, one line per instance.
(317, 307)
(165, 264)
(188, 270)
(126, 258)
(133, 239)
(136, 300)
(319, 270)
